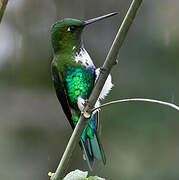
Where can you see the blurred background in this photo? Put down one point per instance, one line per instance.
(140, 139)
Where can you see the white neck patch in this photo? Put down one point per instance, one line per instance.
(84, 58)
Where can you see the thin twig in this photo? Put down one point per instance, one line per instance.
(3, 4)
(138, 99)
(109, 62)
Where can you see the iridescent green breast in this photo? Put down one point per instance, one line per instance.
(79, 81)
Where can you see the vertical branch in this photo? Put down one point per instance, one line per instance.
(108, 64)
(113, 52)
(3, 4)
(75, 138)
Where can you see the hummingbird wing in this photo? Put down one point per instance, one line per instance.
(62, 94)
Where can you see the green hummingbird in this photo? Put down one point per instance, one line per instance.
(74, 76)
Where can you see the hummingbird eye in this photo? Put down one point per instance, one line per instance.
(71, 28)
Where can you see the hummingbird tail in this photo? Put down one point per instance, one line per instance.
(88, 155)
(97, 148)
(92, 148)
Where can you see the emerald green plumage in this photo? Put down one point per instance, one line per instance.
(73, 74)
(79, 81)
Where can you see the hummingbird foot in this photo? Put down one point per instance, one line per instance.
(81, 103)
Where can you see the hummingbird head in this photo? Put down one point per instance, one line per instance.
(66, 33)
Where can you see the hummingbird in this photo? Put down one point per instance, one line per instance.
(74, 76)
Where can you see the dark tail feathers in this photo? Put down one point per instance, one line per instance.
(92, 149)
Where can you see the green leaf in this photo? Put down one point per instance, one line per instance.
(76, 175)
(80, 175)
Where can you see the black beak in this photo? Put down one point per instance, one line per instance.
(99, 18)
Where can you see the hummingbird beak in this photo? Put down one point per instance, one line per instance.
(99, 18)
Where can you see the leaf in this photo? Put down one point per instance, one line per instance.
(76, 175)
(80, 175)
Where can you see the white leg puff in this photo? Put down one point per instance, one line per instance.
(107, 86)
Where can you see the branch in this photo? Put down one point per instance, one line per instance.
(138, 99)
(112, 55)
(108, 64)
(3, 4)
